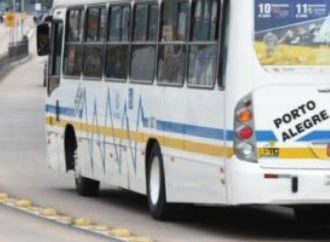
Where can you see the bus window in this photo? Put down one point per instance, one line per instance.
(117, 54)
(203, 45)
(140, 22)
(73, 46)
(152, 22)
(115, 23)
(94, 42)
(143, 52)
(172, 48)
(55, 59)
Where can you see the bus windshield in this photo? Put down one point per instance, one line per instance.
(292, 33)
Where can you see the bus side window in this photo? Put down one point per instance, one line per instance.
(95, 34)
(143, 50)
(73, 43)
(203, 44)
(117, 53)
(172, 46)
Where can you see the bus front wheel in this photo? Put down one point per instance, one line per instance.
(87, 187)
(158, 206)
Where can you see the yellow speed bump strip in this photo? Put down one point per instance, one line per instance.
(121, 234)
(3, 196)
(23, 204)
(48, 212)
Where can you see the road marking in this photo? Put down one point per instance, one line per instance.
(86, 224)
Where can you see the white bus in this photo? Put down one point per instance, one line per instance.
(210, 102)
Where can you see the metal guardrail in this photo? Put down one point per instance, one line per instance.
(4, 61)
(16, 52)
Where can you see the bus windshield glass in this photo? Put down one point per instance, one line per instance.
(292, 33)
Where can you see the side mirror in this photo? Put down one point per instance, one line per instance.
(43, 39)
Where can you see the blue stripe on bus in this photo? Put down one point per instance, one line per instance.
(63, 111)
(316, 135)
(192, 130)
(184, 129)
(264, 136)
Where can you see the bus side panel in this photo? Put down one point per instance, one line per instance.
(196, 172)
(55, 149)
(116, 152)
(143, 113)
(52, 148)
(105, 145)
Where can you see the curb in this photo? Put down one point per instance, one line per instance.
(81, 223)
(10, 66)
(21, 61)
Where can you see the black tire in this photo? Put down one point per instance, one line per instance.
(87, 187)
(313, 215)
(159, 208)
(84, 186)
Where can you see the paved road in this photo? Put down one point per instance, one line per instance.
(24, 174)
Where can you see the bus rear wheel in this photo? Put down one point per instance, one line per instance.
(313, 215)
(158, 206)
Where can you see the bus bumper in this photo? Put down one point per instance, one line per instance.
(251, 184)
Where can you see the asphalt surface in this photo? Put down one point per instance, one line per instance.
(24, 174)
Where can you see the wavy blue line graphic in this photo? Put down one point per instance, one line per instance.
(92, 137)
(89, 137)
(108, 115)
(101, 147)
(125, 120)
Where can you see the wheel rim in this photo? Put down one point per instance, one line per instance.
(154, 183)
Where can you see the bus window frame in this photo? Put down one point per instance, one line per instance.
(127, 42)
(51, 53)
(216, 42)
(160, 43)
(52, 56)
(141, 43)
(83, 9)
(223, 43)
(94, 43)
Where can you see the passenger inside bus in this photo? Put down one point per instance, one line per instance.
(172, 56)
